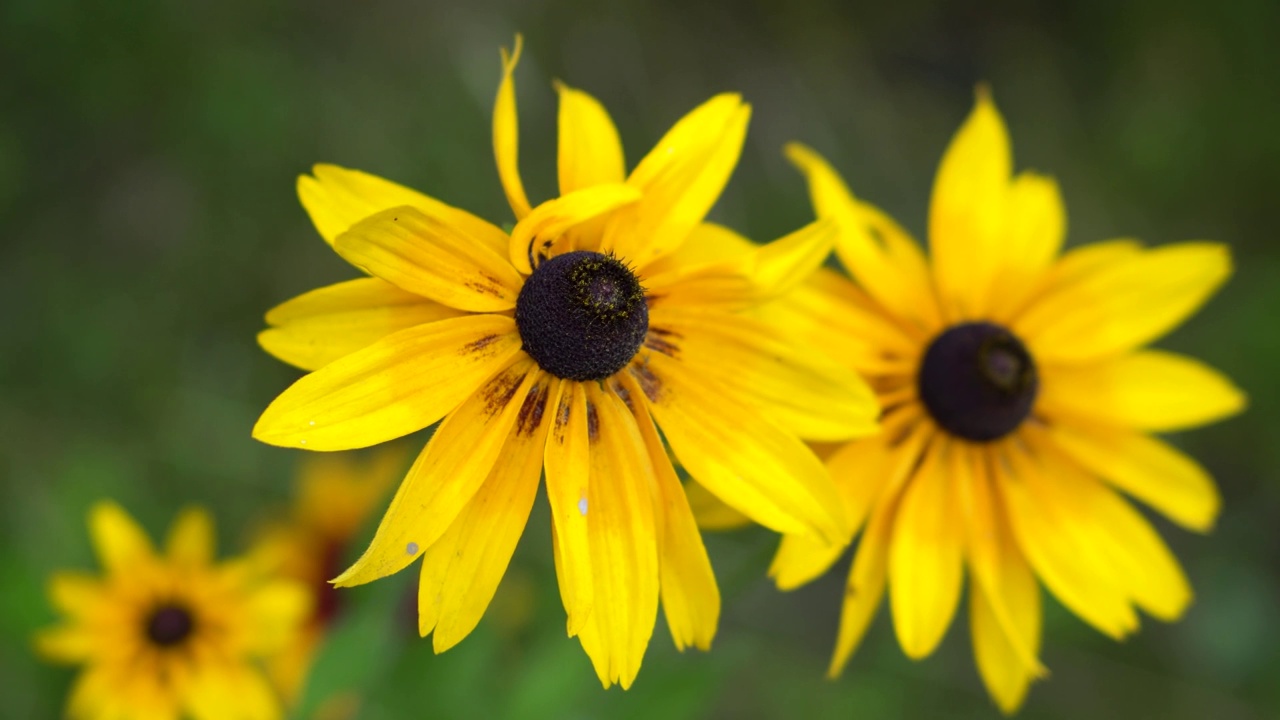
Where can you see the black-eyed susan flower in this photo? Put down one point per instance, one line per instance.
(163, 636)
(1017, 402)
(604, 315)
(335, 495)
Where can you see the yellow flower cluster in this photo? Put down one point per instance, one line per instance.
(983, 411)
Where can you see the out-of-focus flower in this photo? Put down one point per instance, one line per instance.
(1017, 401)
(335, 496)
(167, 635)
(608, 312)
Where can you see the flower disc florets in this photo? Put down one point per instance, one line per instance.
(582, 315)
(169, 625)
(978, 381)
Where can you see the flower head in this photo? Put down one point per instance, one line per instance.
(608, 312)
(1017, 405)
(163, 636)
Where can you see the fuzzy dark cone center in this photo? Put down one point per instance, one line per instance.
(582, 315)
(978, 381)
(169, 625)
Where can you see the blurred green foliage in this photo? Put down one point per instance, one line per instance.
(148, 151)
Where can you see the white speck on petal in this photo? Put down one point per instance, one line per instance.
(582, 506)
(313, 423)
(304, 442)
(411, 548)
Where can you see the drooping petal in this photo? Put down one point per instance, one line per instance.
(1146, 468)
(968, 209)
(461, 570)
(743, 457)
(1121, 305)
(191, 539)
(623, 540)
(690, 596)
(423, 256)
(455, 463)
(396, 386)
(800, 389)
(318, 327)
(535, 237)
(568, 464)
(1141, 562)
(120, 542)
(337, 198)
(878, 253)
(926, 566)
(865, 587)
(1002, 581)
(1066, 557)
(1149, 390)
(998, 656)
(681, 178)
(590, 151)
(506, 133)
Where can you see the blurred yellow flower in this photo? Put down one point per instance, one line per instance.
(1017, 401)
(164, 636)
(335, 495)
(606, 310)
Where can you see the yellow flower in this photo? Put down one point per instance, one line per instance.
(335, 495)
(1017, 400)
(164, 636)
(606, 314)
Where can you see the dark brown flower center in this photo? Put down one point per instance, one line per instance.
(582, 315)
(978, 381)
(169, 625)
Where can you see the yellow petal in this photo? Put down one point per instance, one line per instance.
(423, 256)
(1147, 469)
(865, 587)
(999, 660)
(66, 644)
(968, 208)
(681, 178)
(337, 198)
(76, 594)
(1000, 575)
(398, 385)
(878, 253)
(446, 475)
(1068, 558)
(191, 539)
(318, 327)
(710, 511)
(568, 465)
(534, 237)
(794, 385)
(690, 597)
(743, 457)
(119, 541)
(1032, 237)
(833, 314)
(925, 558)
(861, 470)
(1148, 390)
(707, 244)
(590, 151)
(275, 611)
(1121, 305)
(461, 570)
(506, 133)
(622, 538)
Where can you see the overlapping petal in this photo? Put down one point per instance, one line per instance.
(506, 133)
(590, 152)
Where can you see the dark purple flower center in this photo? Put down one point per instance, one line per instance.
(978, 381)
(169, 625)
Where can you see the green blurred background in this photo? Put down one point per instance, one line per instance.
(148, 152)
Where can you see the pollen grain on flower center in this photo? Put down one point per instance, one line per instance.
(582, 315)
(169, 625)
(978, 381)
